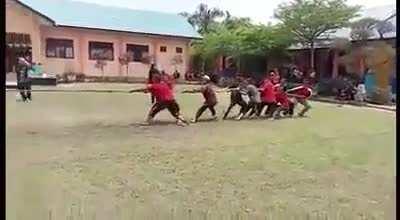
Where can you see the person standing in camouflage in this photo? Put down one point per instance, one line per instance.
(24, 83)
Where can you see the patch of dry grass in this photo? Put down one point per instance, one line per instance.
(81, 154)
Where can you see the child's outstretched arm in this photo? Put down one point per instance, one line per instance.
(226, 90)
(191, 91)
(138, 90)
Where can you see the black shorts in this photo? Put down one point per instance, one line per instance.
(171, 105)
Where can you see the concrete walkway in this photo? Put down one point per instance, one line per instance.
(354, 103)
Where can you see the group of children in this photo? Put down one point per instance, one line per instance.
(270, 100)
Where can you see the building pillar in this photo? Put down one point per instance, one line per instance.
(335, 64)
(119, 54)
(36, 45)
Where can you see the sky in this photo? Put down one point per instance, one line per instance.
(260, 11)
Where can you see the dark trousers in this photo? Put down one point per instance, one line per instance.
(254, 108)
(172, 107)
(153, 99)
(236, 99)
(286, 111)
(25, 90)
(204, 107)
(271, 107)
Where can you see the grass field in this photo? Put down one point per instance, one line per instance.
(86, 156)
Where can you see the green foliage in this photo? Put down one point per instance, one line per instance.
(234, 36)
(232, 23)
(362, 29)
(252, 40)
(203, 17)
(263, 40)
(312, 19)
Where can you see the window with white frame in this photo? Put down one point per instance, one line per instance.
(59, 48)
(101, 51)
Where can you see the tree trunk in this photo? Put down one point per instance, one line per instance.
(238, 64)
(312, 50)
(380, 35)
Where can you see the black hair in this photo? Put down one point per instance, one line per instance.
(214, 78)
(24, 53)
(156, 77)
(20, 54)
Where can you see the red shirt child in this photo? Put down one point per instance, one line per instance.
(302, 92)
(281, 97)
(168, 79)
(268, 94)
(162, 91)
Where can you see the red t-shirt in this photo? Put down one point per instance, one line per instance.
(268, 92)
(161, 91)
(303, 91)
(281, 97)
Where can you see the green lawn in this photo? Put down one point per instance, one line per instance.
(86, 156)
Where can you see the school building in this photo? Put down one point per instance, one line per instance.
(73, 37)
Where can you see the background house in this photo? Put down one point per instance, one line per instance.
(326, 62)
(70, 36)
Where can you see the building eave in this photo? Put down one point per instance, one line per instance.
(129, 32)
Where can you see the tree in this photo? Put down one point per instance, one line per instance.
(310, 20)
(362, 29)
(384, 26)
(220, 42)
(231, 22)
(124, 60)
(203, 17)
(252, 40)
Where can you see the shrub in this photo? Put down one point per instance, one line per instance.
(80, 77)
